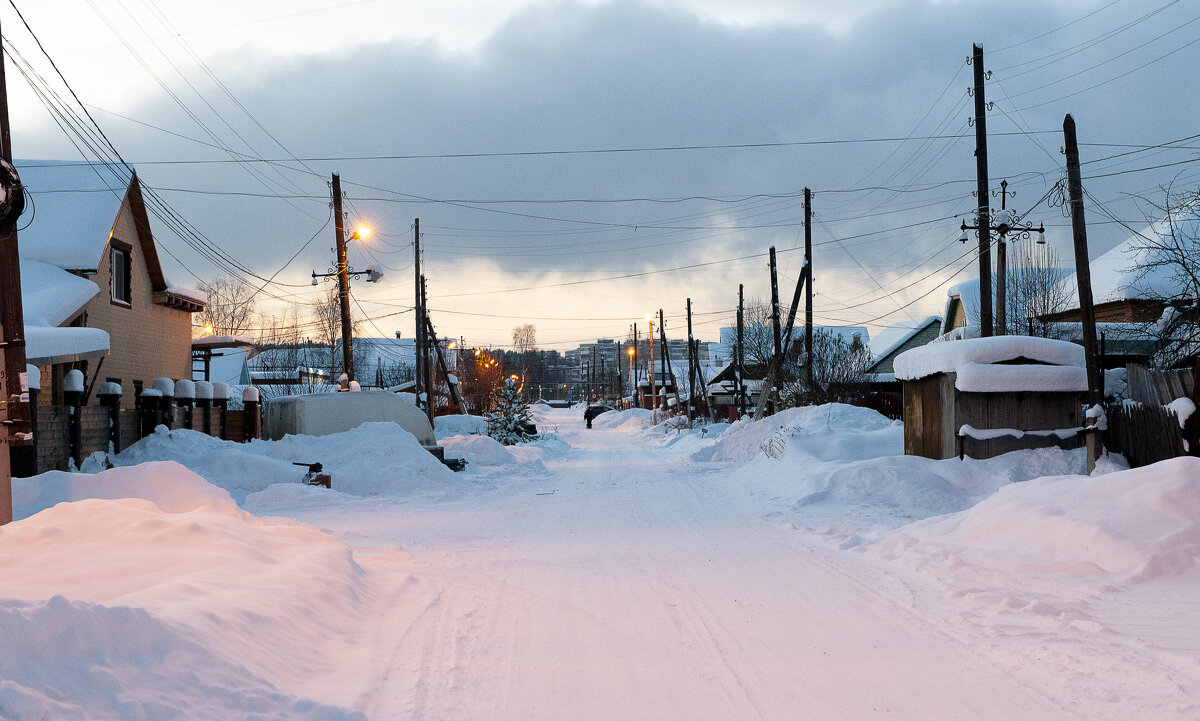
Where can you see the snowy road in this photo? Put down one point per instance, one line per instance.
(630, 583)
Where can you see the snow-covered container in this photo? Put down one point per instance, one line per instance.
(321, 414)
(985, 396)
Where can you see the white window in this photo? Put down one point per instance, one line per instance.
(121, 275)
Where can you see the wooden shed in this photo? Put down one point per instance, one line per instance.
(985, 396)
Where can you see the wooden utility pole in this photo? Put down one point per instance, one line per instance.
(425, 362)
(14, 415)
(1002, 270)
(981, 189)
(419, 311)
(739, 357)
(808, 293)
(650, 374)
(1083, 268)
(343, 276)
(668, 372)
(776, 364)
(691, 365)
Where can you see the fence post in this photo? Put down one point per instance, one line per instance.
(166, 406)
(185, 398)
(252, 419)
(110, 398)
(204, 391)
(149, 413)
(73, 395)
(28, 455)
(221, 401)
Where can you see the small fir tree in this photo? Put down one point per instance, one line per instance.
(510, 423)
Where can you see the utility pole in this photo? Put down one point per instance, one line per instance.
(777, 359)
(668, 372)
(739, 357)
(14, 415)
(426, 362)
(650, 374)
(343, 280)
(1002, 266)
(981, 189)
(419, 337)
(691, 365)
(808, 293)
(1083, 269)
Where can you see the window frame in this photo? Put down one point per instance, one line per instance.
(120, 249)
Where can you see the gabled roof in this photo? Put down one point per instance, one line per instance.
(1123, 273)
(897, 334)
(73, 210)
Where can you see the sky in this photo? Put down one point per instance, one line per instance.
(580, 165)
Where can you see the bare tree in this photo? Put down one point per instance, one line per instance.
(230, 307)
(839, 371)
(1037, 288)
(327, 318)
(758, 333)
(525, 346)
(1168, 271)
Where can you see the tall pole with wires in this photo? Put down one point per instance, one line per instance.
(981, 189)
(14, 415)
(343, 278)
(419, 312)
(808, 291)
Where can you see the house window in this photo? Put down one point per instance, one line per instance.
(121, 273)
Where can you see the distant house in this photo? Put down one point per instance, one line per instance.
(897, 338)
(90, 273)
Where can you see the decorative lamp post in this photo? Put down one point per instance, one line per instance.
(1004, 223)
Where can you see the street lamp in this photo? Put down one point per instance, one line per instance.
(1004, 223)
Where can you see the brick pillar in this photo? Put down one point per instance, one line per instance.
(110, 398)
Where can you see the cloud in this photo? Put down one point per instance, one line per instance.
(620, 75)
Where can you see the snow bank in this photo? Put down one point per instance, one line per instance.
(161, 599)
(1137, 524)
(950, 356)
(626, 420)
(168, 485)
(375, 458)
(826, 432)
(478, 450)
(459, 425)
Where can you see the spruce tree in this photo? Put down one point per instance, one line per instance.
(510, 423)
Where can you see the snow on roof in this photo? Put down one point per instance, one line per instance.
(987, 378)
(50, 296)
(222, 341)
(76, 206)
(951, 356)
(1118, 274)
(897, 334)
(190, 293)
(45, 346)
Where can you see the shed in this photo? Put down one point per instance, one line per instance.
(992, 395)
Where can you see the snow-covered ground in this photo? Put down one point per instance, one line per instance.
(798, 567)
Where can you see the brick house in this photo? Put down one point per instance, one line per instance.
(90, 235)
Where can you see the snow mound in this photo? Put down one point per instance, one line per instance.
(479, 450)
(459, 425)
(834, 431)
(1138, 524)
(373, 459)
(167, 484)
(951, 356)
(67, 659)
(627, 419)
(204, 589)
